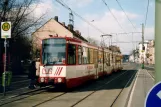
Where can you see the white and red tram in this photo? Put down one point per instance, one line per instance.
(71, 62)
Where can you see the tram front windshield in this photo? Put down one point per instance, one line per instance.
(53, 51)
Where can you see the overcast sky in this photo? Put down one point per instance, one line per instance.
(96, 10)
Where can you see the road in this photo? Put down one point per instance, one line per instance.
(109, 91)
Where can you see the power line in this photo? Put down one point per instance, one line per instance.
(125, 14)
(67, 7)
(113, 15)
(126, 42)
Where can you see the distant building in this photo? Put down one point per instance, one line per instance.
(148, 54)
(142, 53)
(131, 58)
(125, 58)
(151, 52)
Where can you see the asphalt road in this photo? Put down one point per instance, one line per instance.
(109, 91)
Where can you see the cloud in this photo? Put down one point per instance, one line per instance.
(108, 24)
(78, 3)
(44, 7)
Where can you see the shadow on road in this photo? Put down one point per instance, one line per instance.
(110, 82)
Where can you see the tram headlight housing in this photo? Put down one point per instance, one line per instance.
(42, 79)
(59, 80)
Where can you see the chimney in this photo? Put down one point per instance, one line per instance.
(56, 18)
(63, 23)
(51, 35)
(70, 27)
(77, 31)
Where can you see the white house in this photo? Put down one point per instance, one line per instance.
(142, 53)
(54, 28)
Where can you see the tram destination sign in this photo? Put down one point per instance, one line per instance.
(5, 30)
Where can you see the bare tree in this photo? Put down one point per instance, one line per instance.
(93, 41)
(20, 13)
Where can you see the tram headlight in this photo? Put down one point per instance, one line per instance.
(42, 79)
(59, 80)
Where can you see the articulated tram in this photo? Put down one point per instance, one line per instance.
(71, 62)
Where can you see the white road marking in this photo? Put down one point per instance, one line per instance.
(132, 92)
(152, 77)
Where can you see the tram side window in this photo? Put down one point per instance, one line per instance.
(111, 60)
(85, 55)
(108, 59)
(105, 56)
(71, 54)
(100, 57)
(79, 55)
(91, 56)
(95, 56)
(88, 55)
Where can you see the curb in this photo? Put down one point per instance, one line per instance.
(128, 98)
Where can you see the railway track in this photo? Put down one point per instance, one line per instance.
(95, 90)
(103, 84)
(22, 96)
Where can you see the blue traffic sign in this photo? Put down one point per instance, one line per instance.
(153, 98)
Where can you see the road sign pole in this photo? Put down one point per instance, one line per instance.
(157, 40)
(5, 55)
(142, 65)
(5, 33)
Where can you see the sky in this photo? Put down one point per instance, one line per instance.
(103, 19)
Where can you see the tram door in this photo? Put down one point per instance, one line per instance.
(96, 62)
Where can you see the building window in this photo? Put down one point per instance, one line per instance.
(71, 54)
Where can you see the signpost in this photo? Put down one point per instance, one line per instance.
(153, 98)
(5, 33)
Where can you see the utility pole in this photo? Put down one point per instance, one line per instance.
(71, 18)
(143, 48)
(157, 40)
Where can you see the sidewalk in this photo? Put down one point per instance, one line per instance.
(18, 81)
(143, 83)
(15, 93)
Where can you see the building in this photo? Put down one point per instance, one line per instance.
(143, 53)
(54, 28)
(151, 52)
(131, 58)
(148, 54)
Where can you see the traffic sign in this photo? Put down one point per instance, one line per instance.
(5, 29)
(153, 98)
